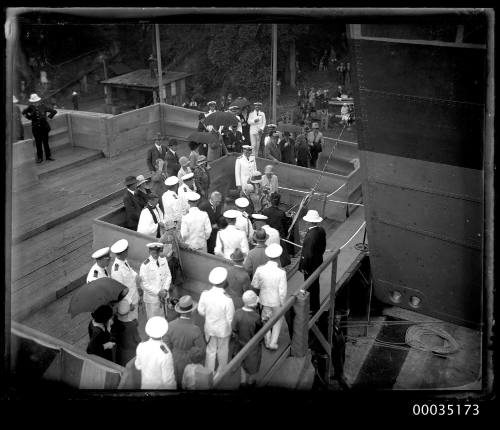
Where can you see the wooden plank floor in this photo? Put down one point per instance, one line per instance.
(62, 193)
(53, 259)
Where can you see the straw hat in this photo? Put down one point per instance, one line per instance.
(34, 98)
(185, 304)
(183, 161)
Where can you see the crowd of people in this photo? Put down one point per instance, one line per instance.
(174, 207)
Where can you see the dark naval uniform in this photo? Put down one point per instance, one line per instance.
(40, 127)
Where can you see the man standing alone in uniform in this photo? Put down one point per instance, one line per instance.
(155, 281)
(257, 122)
(244, 167)
(313, 247)
(154, 359)
(36, 112)
(218, 309)
(99, 269)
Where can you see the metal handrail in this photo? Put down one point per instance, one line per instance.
(238, 358)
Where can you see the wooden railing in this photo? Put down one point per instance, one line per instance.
(232, 366)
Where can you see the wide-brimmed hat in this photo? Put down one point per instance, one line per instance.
(274, 250)
(183, 161)
(102, 314)
(130, 180)
(312, 216)
(171, 180)
(119, 246)
(260, 235)
(217, 276)
(237, 255)
(250, 299)
(141, 180)
(185, 304)
(201, 159)
(242, 202)
(256, 178)
(34, 98)
(156, 327)
(103, 252)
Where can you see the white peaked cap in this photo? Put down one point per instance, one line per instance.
(156, 327)
(274, 250)
(119, 246)
(101, 252)
(171, 180)
(217, 276)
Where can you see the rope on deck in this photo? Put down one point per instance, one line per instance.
(415, 337)
(357, 231)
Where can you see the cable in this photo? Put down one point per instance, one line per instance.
(415, 338)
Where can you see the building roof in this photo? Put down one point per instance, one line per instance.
(119, 68)
(142, 78)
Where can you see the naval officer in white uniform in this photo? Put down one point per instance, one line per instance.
(230, 238)
(100, 267)
(195, 225)
(243, 222)
(155, 280)
(244, 167)
(257, 122)
(121, 270)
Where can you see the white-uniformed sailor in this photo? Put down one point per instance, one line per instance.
(195, 225)
(211, 108)
(151, 220)
(244, 167)
(261, 222)
(100, 267)
(121, 270)
(172, 205)
(154, 359)
(185, 187)
(243, 222)
(271, 281)
(230, 238)
(218, 309)
(155, 280)
(257, 122)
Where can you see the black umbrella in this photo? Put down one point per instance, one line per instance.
(241, 102)
(203, 137)
(226, 119)
(291, 128)
(94, 294)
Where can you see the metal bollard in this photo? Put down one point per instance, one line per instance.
(300, 336)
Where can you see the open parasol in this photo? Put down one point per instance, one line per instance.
(94, 294)
(225, 119)
(203, 137)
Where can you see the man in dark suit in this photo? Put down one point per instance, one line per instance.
(238, 279)
(313, 247)
(213, 208)
(172, 158)
(278, 220)
(157, 151)
(37, 112)
(132, 204)
(184, 338)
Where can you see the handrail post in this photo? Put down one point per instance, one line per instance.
(333, 283)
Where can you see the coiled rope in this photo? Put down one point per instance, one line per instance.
(416, 334)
